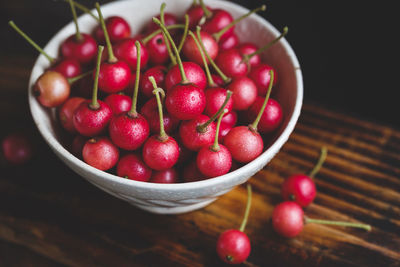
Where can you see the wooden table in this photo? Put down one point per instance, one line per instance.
(49, 216)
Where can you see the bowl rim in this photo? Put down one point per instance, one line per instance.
(211, 182)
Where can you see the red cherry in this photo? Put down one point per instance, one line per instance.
(244, 144)
(194, 139)
(218, 20)
(132, 167)
(218, 80)
(231, 63)
(244, 92)
(247, 49)
(233, 246)
(261, 76)
(271, 118)
(77, 145)
(227, 123)
(168, 176)
(195, 14)
(100, 153)
(114, 77)
(231, 42)
(68, 67)
(194, 73)
(158, 72)
(117, 27)
(157, 50)
(150, 112)
(126, 51)
(51, 89)
(215, 97)
(91, 121)
(160, 154)
(288, 219)
(169, 19)
(191, 173)
(119, 103)
(192, 52)
(83, 50)
(17, 148)
(66, 113)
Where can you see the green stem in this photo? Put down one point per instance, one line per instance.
(133, 111)
(207, 12)
(246, 58)
(202, 128)
(29, 40)
(185, 32)
(339, 223)
(215, 147)
(146, 39)
(218, 35)
(211, 82)
(247, 211)
(95, 104)
(78, 77)
(84, 9)
(180, 65)
(254, 125)
(163, 135)
(210, 60)
(321, 160)
(78, 35)
(111, 57)
(167, 43)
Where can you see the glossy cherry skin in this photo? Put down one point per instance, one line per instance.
(126, 51)
(192, 53)
(185, 101)
(231, 63)
(77, 145)
(117, 28)
(227, 123)
(66, 113)
(113, 77)
(84, 51)
(215, 97)
(214, 163)
(288, 219)
(128, 132)
(68, 67)
(91, 122)
(157, 50)
(51, 89)
(233, 246)
(261, 76)
(244, 92)
(191, 138)
(150, 112)
(17, 148)
(132, 167)
(218, 80)
(168, 176)
(244, 144)
(247, 49)
(194, 73)
(160, 154)
(158, 72)
(101, 153)
(271, 118)
(195, 13)
(119, 103)
(299, 188)
(219, 19)
(231, 42)
(169, 19)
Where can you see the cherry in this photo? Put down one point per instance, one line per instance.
(66, 113)
(168, 176)
(260, 75)
(193, 72)
(288, 220)
(129, 130)
(77, 145)
(17, 148)
(233, 246)
(216, 20)
(244, 92)
(227, 123)
(101, 153)
(301, 188)
(272, 117)
(214, 160)
(195, 14)
(169, 19)
(192, 52)
(117, 27)
(91, 117)
(51, 89)
(230, 42)
(126, 51)
(132, 167)
(158, 72)
(150, 112)
(119, 103)
(247, 49)
(114, 74)
(160, 152)
(191, 173)
(244, 142)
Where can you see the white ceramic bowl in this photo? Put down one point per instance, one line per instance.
(182, 197)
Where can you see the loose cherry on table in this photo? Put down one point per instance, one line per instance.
(17, 148)
(300, 188)
(101, 153)
(233, 246)
(132, 167)
(288, 220)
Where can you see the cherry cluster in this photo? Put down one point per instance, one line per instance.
(180, 112)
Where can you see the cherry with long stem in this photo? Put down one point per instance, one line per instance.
(167, 41)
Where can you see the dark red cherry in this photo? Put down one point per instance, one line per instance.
(271, 118)
(158, 72)
(17, 148)
(215, 97)
(117, 27)
(168, 176)
(83, 50)
(194, 73)
(132, 167)
(218, 20)
(68, 67)
(247, 49)
(150, 112)
(66, 113)
(119, 103)
(126, 51)
(191, 51)
(169, 19)
(157, 50)
(261, 76)
(231, 63)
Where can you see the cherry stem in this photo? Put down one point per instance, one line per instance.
(185, 32)
(78, 77)
(111, 57)
(78, 35)
(146, 39)
(321, 160)
(215, 147)
(133, 111)
(180, 65)
(254, 125)
(366, 227)
(246, 58)
(211, 82)
(210, 60)
(247, 211)
(95, 104)
(207, 12)
(84, 9)
(217, 35)
(167, 44)
(163, 135)
(29, 40)
(202, 128)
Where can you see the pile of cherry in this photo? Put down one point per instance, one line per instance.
(137, 110)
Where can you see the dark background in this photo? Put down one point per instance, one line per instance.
(347, 49)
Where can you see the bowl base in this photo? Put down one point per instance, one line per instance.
(174, 210)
